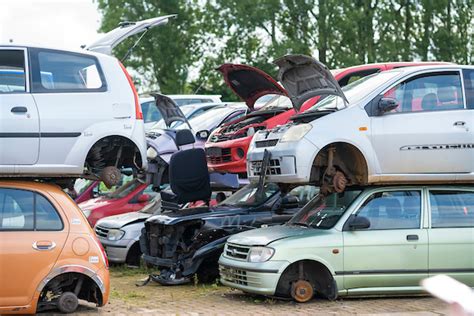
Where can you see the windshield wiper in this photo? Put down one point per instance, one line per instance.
(299, 224)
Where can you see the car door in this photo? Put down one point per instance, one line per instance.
(19, 121)
(451, 247)
(32, 235)
(393, 251)
(430, 131)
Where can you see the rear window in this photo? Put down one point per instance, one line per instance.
(57, 71)
(26, 210)
(452, 209)
(12, 71)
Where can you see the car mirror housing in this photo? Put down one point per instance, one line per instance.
(357, 223)
(203, 135)
(386, 105)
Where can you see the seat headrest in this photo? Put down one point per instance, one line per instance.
(184, 137)
(429, 101)
(393, 208)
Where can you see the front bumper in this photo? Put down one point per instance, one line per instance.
(117, 250)
(259, 278)
(289, 162)
(229, 160)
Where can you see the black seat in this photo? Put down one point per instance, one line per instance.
(189, 178)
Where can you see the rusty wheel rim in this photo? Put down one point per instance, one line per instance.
(302, 291)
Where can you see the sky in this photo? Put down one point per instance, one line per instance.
(51, 23)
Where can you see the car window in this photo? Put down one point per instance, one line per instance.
(26, 210)
(181, 102)
(392, 210)
(55, 71)
(451, 208)
(250, 195)
(233, 117)
(304, 193)
(352, 77)
(150, 112)
(468, 75)
(12, 71)
(433, 92)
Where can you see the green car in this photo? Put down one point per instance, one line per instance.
(364, 241)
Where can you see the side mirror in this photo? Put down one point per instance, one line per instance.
(203, 135)
(357, 222)
(289, 201)
(143, 198)
(386, 105)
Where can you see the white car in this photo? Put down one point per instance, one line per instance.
(71, 113)
(413, 124)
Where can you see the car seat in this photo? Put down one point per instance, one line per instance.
(429, 102)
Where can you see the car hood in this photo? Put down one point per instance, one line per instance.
(118, 221)
(304, 77)
(126, 29)
(267, 235)
(250, 83)
(95, 203)
(169, 110)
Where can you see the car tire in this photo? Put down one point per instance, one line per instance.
(110, 176)
(68, 303)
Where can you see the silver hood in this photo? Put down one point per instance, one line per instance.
(267, 235)
(118, 221)
(304, 77)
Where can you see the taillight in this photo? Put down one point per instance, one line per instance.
(138, 108)
(104, 254)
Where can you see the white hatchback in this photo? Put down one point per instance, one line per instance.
(71, 113)
(413, 124)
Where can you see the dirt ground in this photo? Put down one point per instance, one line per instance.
(213, 299)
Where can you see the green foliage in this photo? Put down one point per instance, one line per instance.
(182, 56)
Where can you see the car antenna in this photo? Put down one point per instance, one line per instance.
(129, 51)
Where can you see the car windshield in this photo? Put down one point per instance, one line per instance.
(249, 195)
(355, 91)
(152, 206)
(209, 119)
(324, 212)
(277, 102)
(124, 190)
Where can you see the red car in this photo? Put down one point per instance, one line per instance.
(130, 197)
(226, 148)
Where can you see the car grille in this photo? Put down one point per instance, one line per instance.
(219, 138)
(273, 167)
(235, 276)
(214, 157)
(266, 143)
(236, 251)
(101, 231)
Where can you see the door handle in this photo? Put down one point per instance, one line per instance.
(412, 237)
(459, 123)
(19, 109)
(44, 245)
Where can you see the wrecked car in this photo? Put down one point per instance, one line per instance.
(93, 146)
(188, 242)
(50, 258)
(227, 147)
(383, 128)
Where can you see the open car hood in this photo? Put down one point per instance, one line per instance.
(126, 29)
(250, 83)
(304, 77)
(169, 110)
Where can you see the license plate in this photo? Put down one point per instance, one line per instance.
(214, 151)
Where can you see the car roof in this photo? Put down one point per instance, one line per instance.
(31, 185)
(60, 49)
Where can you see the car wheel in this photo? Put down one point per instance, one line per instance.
(302, 291)
(110, 176)
(134, 255)
(68, 302)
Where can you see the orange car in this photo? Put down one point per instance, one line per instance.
(49, 255)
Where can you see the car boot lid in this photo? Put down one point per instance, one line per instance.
(169, 110)
(267, 235)
(111, 39)
(250, 83)
(304, 77)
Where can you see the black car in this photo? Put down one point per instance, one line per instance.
(189, 241)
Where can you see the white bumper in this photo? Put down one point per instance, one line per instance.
(290, 162)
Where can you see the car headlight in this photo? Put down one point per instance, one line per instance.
(296, 132)
(260, 254)
(151, 153)
(86, 213)
(115, 234)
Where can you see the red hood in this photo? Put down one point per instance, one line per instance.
(250, 83)
(93, 204)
